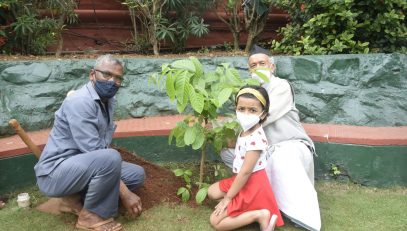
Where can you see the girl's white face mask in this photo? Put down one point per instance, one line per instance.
(247, 121)
(262, 75)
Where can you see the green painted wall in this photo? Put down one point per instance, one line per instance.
(17, 172)
(367, 165)
(366, 90)
(379, 166)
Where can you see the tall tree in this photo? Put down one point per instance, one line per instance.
(232, 18)
(255, 17)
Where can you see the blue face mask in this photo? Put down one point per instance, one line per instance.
(106, 89)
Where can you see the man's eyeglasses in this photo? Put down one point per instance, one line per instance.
(108, 75)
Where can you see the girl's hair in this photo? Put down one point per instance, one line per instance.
(262, 92)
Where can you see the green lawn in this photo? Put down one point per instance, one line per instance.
(344, 206)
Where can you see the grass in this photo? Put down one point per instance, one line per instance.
(344, 206)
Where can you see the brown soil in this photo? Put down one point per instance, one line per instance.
(161, 184)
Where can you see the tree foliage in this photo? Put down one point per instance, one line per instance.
(35, 24)
(204, 92)
(167, 20)
(350, 26)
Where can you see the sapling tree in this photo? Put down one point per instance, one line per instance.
(204, 93)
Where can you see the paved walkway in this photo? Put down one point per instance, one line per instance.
(162, 125)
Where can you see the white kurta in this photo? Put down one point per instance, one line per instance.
(291, 166)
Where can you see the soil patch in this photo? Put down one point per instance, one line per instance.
(160, 185)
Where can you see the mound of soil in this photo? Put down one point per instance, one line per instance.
(161, 184)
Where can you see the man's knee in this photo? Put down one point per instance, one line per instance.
(111, 156)
(132, 175)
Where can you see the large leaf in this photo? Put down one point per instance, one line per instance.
(198, 66)
(201, 195)
(199, 140)
(169, 85)
(211, 77)
(181, 86)
(184, 64)
(197, 100)
(224, 95)
(190, 135)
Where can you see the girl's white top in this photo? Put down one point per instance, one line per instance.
(255, 141)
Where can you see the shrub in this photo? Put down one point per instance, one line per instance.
(349, 26)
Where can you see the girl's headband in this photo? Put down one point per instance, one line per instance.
(254, 92)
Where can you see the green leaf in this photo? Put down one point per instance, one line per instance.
(178, 172)
(181, 86)
(197, 100)
(181, 190)
(185, 196)
(211, 77)
(201, 195)
(187, 179)
(199, 140)
(224, 96)
(190, 135)
(184, 64)
(188, 172)
(218, 144)
(198, 66)
(169, 85)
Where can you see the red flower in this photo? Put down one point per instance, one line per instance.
(253, 143)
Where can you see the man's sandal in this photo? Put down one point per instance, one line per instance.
(98, 226)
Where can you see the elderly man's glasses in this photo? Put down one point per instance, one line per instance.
(108, 75)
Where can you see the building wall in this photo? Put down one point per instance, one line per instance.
(106, 25)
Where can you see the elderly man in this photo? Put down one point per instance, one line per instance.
(291, 167)
(77, 158)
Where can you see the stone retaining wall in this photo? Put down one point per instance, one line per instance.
(365, 90)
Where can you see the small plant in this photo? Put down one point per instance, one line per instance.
(189, 86)
(184, 192)
(335, 172)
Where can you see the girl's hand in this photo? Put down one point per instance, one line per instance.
(222, 205)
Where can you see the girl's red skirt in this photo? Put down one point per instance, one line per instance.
(256, 194)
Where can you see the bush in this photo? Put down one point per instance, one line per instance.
(30, 26)
(349, 26)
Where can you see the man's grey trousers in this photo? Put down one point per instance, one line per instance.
(96, 177)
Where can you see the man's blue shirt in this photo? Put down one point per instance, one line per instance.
(82, 124)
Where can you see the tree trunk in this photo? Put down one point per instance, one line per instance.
(155, 48)
(236, 40)
(202, 165)
(59, 46)
(249, 42)
(61, 21)
(254, 25)
(134, 22)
